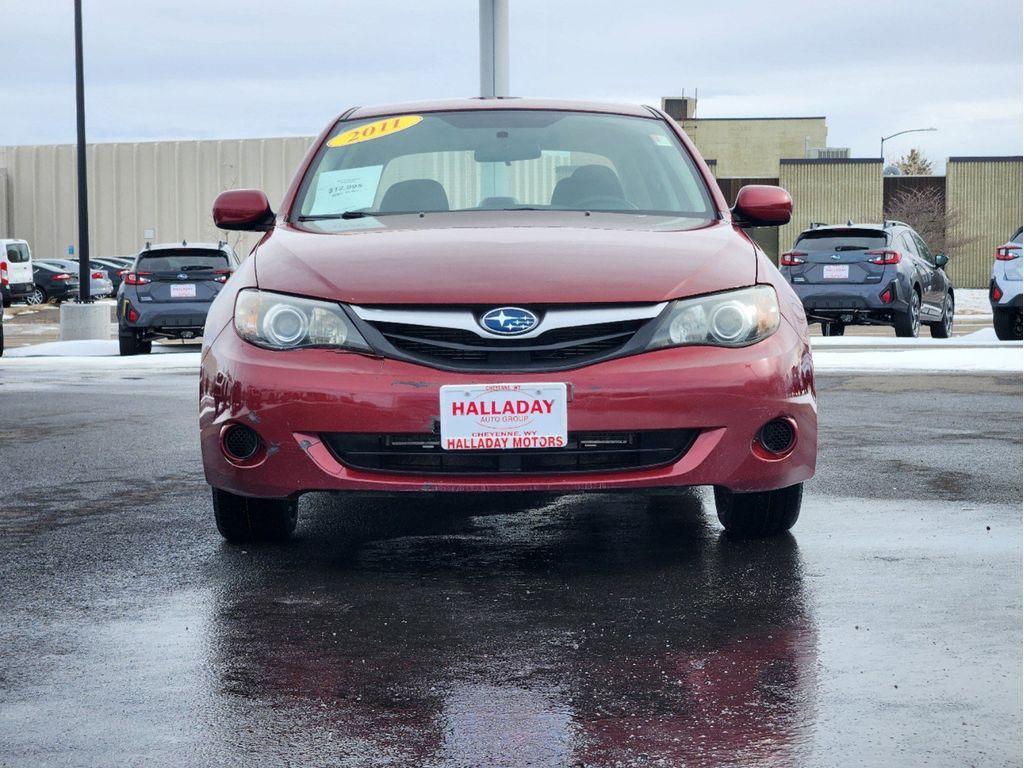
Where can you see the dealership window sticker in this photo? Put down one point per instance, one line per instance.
(350, 189)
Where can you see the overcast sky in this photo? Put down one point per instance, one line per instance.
(246, 68)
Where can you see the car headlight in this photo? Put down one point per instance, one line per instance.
(278, 321)
(730, 319)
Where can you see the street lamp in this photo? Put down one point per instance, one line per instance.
(881, 147)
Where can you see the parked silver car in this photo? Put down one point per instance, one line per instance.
(100, 284)
(1004, 291)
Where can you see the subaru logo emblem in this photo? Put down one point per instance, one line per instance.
(509, 321)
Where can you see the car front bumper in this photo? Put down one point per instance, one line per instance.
(293, 398)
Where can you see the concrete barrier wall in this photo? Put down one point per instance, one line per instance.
(983, 198)
(167, 186)
(831, 191)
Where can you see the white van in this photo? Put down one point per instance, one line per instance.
(16, 280)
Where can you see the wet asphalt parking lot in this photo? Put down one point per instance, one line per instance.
(589, 630)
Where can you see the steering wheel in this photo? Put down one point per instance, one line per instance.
(617, 203)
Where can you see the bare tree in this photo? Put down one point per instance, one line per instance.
(925, 210)
(914, 163)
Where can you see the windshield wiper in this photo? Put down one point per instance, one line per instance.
(342, 215)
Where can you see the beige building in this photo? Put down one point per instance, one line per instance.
(983, 200)
(169, 187)
(831, 192)
(748, 146)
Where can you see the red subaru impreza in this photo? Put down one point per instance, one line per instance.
(505, 295)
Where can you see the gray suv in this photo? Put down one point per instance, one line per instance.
(870, 274)
(168, 292)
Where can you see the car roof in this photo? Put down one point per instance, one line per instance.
(185, 246)
(452, 105)
(840, 228)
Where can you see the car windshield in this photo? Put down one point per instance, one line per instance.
(486, 160)
(849, 240)
(183, 261)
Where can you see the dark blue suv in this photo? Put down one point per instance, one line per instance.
(870, 274)
(168, 292)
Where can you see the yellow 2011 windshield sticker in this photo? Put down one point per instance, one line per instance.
(375, 130)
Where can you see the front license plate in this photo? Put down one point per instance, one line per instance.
(836, 271)
(479, 417)
(183, 291)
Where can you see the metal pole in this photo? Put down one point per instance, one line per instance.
(493, 48)
(881, 146)
(84, 295)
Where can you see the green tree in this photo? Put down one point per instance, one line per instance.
(915, 164)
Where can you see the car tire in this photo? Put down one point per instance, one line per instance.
(944, 328)
(37, 297)
(761, 514)
(1, 338)
(833, 329)
(129, 344)
(242, 518)
(908, 324)
(7, 303)
(1007, 324)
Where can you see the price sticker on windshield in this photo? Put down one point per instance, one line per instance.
(375, 130)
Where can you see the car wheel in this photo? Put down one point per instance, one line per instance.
(243, 518)
(38, 296)
(1, 338)
(908, 324)
(833, 329)
(7, 302)
(1007, 323)
(129, 344)
(944, 328)
(756, 515)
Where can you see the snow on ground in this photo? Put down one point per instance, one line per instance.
(97, 354)
(983, 337)
(976, 352)
(972, 301)
(953, 359)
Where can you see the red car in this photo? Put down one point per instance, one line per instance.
(505, 295)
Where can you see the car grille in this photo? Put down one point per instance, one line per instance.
(455, 347)
(584, 452)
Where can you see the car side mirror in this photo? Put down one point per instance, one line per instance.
(941, 260)
(243, 209)
(760, 205)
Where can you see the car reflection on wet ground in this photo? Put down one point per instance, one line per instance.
(588, 630)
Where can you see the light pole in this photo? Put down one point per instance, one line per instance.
(84, 292)
(493, 48)
(881, 146)
(82, 319)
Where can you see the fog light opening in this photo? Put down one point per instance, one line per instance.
(777, 437)
(240, 443)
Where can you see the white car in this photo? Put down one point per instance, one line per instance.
(16, 280)
(1005, 289)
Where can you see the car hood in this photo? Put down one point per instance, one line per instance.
(513, 258)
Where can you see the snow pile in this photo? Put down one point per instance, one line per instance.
(972, 301)
(949, 360)
(94, 354)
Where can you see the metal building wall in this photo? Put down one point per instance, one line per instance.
(167, 186)
(985, 192)
(831, 191)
